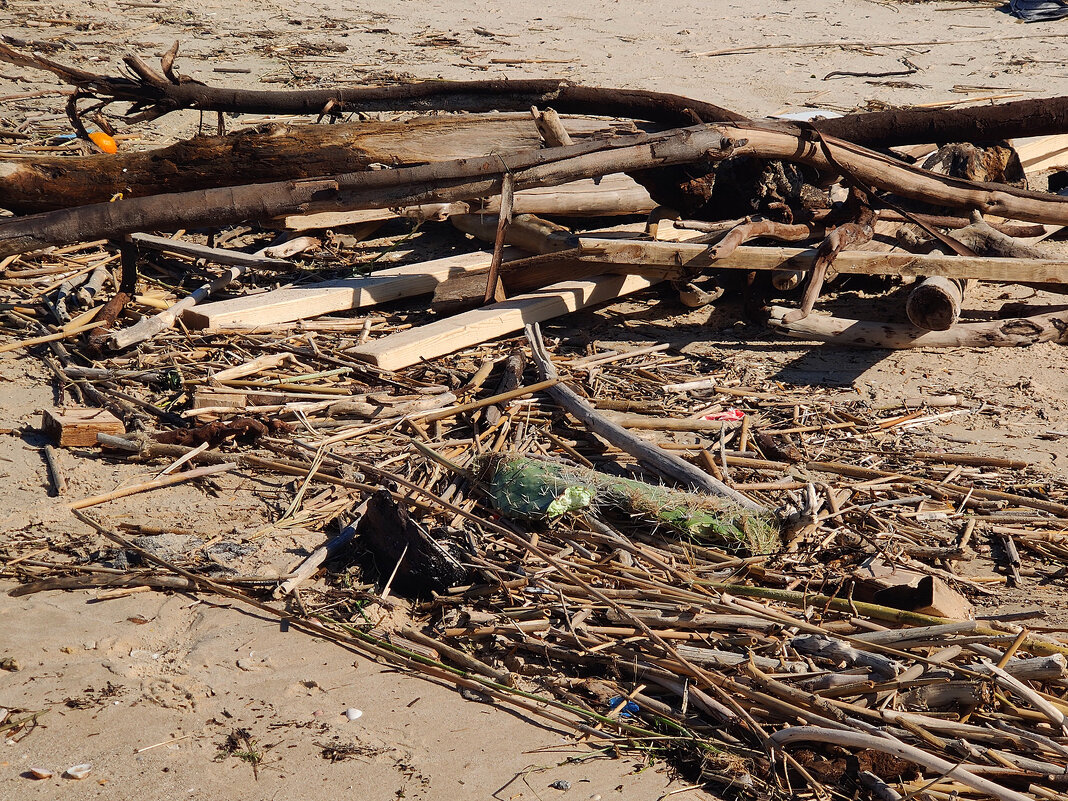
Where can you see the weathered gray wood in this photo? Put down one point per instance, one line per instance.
(670, 259)
(1015, 332)
(665, 463)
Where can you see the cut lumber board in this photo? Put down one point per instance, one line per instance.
(320, 220)
(210, 398)
(405, 348)
(671, 259)
(311, 300)
(610, 196)
(77, 428)
(1042, 152)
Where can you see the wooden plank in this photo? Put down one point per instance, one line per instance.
(668, 259)
(610, 196)
(311, 300)
(77, 428)
(1042, 153)
(405, 348)
(339, 219)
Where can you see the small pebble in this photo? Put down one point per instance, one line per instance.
(353, 714)
(41, 773)
(77, 771)
(561, 784)
(10, 663)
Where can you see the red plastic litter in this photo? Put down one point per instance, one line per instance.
(727, 414)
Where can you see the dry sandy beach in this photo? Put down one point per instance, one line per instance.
(147, 687)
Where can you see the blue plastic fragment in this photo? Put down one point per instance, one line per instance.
(629, 711)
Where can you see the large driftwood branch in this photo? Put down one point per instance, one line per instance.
(154, 94)
(269, 153)
(469, 178)
(1014, 332)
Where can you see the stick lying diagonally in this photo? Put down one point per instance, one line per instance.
(331, 548)
(666, 463)
(150, 326)
(180, 478)
(891, 745)
(1010, 333)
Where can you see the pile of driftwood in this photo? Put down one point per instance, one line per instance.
(741, 179)
(807, 618)
(789, 619)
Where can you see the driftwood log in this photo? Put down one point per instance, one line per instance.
(269, 153)
(935, 303)
(1015, 332)
(154, 94)
(470, 178)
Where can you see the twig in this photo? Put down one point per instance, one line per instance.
(167, 481)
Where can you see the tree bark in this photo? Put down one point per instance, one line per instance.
(267, 153)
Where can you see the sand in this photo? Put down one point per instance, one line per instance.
(176, 675)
